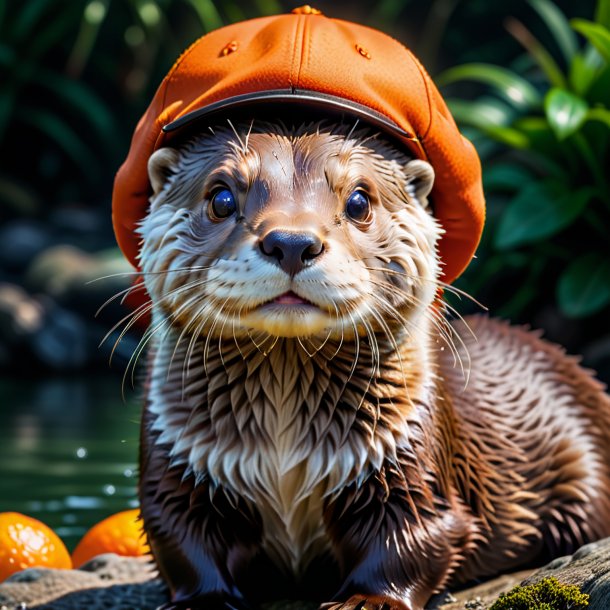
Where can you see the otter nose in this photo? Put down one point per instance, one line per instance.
(292, 250)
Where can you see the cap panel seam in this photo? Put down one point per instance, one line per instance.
(178, 63)
(420, 69)
(304, 36)
(297, 49)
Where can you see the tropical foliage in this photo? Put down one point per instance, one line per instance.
(542, 126)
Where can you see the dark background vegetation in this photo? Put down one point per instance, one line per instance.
(75, 77)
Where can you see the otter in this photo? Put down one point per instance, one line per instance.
(314, 426)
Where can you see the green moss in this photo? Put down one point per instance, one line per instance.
(548, 594)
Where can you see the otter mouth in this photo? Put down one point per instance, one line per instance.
(289, 298)
(287, 315)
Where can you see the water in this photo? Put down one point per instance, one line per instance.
(68, 451)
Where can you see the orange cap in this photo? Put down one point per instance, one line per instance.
(309, 59)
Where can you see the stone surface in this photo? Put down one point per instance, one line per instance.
(106, 582)
(479, 597)
(123, 583)
(588, 568)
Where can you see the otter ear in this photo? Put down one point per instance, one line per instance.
(420, 179)
(160, 167)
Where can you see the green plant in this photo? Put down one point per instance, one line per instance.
(548, 594)
(542, 127)
(75, 78)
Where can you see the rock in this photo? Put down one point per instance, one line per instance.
(20, 315)
(108, 581)
(20, 242)
(125, 583)
(62, 341)
(56, 270)
(588, 568)
(478, 597)
(78, 279)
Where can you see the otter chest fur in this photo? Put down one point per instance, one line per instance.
(280, 429)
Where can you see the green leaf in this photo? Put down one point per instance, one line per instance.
(596, 34)
(537, 52)
(565, 112)
(539, 210)
(82, 100)
(511, 86)
(558, 25)
(208, 14)
(584, 287)
(599, 114)
(480, 113)
(63, 136)
(584, 68)
(602, 13)
(266, 7)
(506, 177)
(31, 12)
(509, 136)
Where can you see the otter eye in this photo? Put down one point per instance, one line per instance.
(222, 204)
(358, 206)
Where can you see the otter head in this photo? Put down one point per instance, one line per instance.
(315, 231)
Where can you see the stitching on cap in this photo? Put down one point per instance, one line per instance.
(304, 32)
(429, 99)
(294, 52)
(179, 61)
(420, 69)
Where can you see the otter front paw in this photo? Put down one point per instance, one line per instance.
(370, 602)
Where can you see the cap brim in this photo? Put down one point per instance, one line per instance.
(304, 97)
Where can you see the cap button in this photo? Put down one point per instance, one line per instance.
(306, 10)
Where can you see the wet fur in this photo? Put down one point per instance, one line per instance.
(350, 463)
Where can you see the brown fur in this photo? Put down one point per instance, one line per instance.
(350, 463)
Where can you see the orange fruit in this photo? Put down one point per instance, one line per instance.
(26, 542)
(120, 533)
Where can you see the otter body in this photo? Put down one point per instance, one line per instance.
(314, 428)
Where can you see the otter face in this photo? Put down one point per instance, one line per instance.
(295, 233)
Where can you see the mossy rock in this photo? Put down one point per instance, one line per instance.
(548, 594)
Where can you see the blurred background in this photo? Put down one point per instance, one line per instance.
(528, 82)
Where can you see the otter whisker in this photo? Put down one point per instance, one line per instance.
(337, 318)
(447, 287)
(234, 333)
(321, 346)
(448, 336)
(375, 359)
(195, 316)
(195, 335)
(145, 273)
(258, 346)
(268, 351)
(445, 329)
(244, 145)
(122, 293)
(311, 355)
(151, 331)
(388, 308)
(206, 348)
(356, 348)
(188, 304)
(222, 332)
(143, 309)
